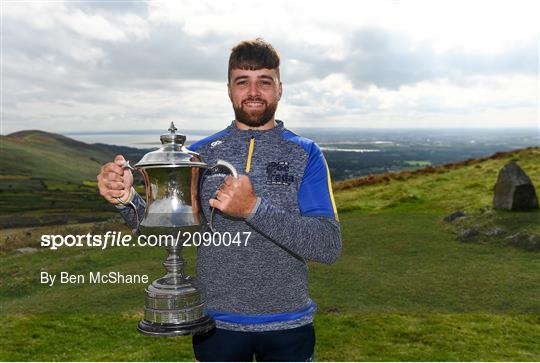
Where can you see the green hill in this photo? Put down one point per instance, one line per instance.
(50, 179)
(38, 154)
(405, 288)
(466, 185)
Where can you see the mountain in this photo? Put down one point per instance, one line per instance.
(50, 179)
(42, 155)
(39, 154)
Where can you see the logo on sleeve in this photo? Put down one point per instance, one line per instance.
(278, 173)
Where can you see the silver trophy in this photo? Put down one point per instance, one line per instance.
(174, 304)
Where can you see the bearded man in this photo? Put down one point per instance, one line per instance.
(256, 292)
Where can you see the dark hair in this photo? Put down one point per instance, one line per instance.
(253, 55)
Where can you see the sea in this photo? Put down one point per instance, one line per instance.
(140, 139)
(344, 140)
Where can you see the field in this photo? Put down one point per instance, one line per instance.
(404, 288)
(401, 291)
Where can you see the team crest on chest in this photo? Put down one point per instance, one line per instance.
(279, 173)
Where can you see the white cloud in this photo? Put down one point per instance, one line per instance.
(485, 25)
(54, 15)
(103, 65)
(424, 104)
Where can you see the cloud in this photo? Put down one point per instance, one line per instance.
(106, 7)
(167, 54)
(387, 60)
(390, 60)
(86, 65)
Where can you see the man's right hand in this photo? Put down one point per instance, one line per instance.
(114, 181)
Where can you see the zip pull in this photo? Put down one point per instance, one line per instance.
(250, 153)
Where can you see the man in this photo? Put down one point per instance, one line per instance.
(257, 292)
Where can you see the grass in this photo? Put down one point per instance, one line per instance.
(85, 337)
(340, 337)
(434, 337)
(49, 156)
(395, 262)
(441, 190)
(38, 202)
(404, 288)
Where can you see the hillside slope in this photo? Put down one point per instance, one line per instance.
(39, 154)
(466, 186)
(49, 179)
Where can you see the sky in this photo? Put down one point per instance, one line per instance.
(70, 66)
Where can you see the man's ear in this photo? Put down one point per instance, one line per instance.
(280, 90)
(229, 90)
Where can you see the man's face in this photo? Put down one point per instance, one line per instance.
(254, 95)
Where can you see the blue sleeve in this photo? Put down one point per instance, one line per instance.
(315, 197)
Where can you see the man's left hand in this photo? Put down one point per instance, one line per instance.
(235, 197)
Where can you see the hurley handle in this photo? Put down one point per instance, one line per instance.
(127, 165)
(234, 173)
(228, 166)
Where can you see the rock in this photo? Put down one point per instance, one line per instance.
(26, 250)
(452, 217)
(466, 234)
(514, 189)
(524, 240)
(494, 232)
(515, 239)
(533, 243)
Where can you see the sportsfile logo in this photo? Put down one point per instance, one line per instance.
(119, 239)
(278, 173)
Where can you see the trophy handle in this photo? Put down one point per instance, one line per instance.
(127, 165)
(234, 173)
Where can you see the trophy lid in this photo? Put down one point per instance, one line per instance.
(172, 153)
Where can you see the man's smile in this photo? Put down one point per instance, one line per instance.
(254, 104)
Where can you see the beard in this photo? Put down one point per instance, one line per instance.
(255, 118)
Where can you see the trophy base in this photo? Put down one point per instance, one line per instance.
(197, 327)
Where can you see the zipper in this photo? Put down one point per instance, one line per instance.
(250, 153)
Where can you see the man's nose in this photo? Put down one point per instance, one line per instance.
(253, 89)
